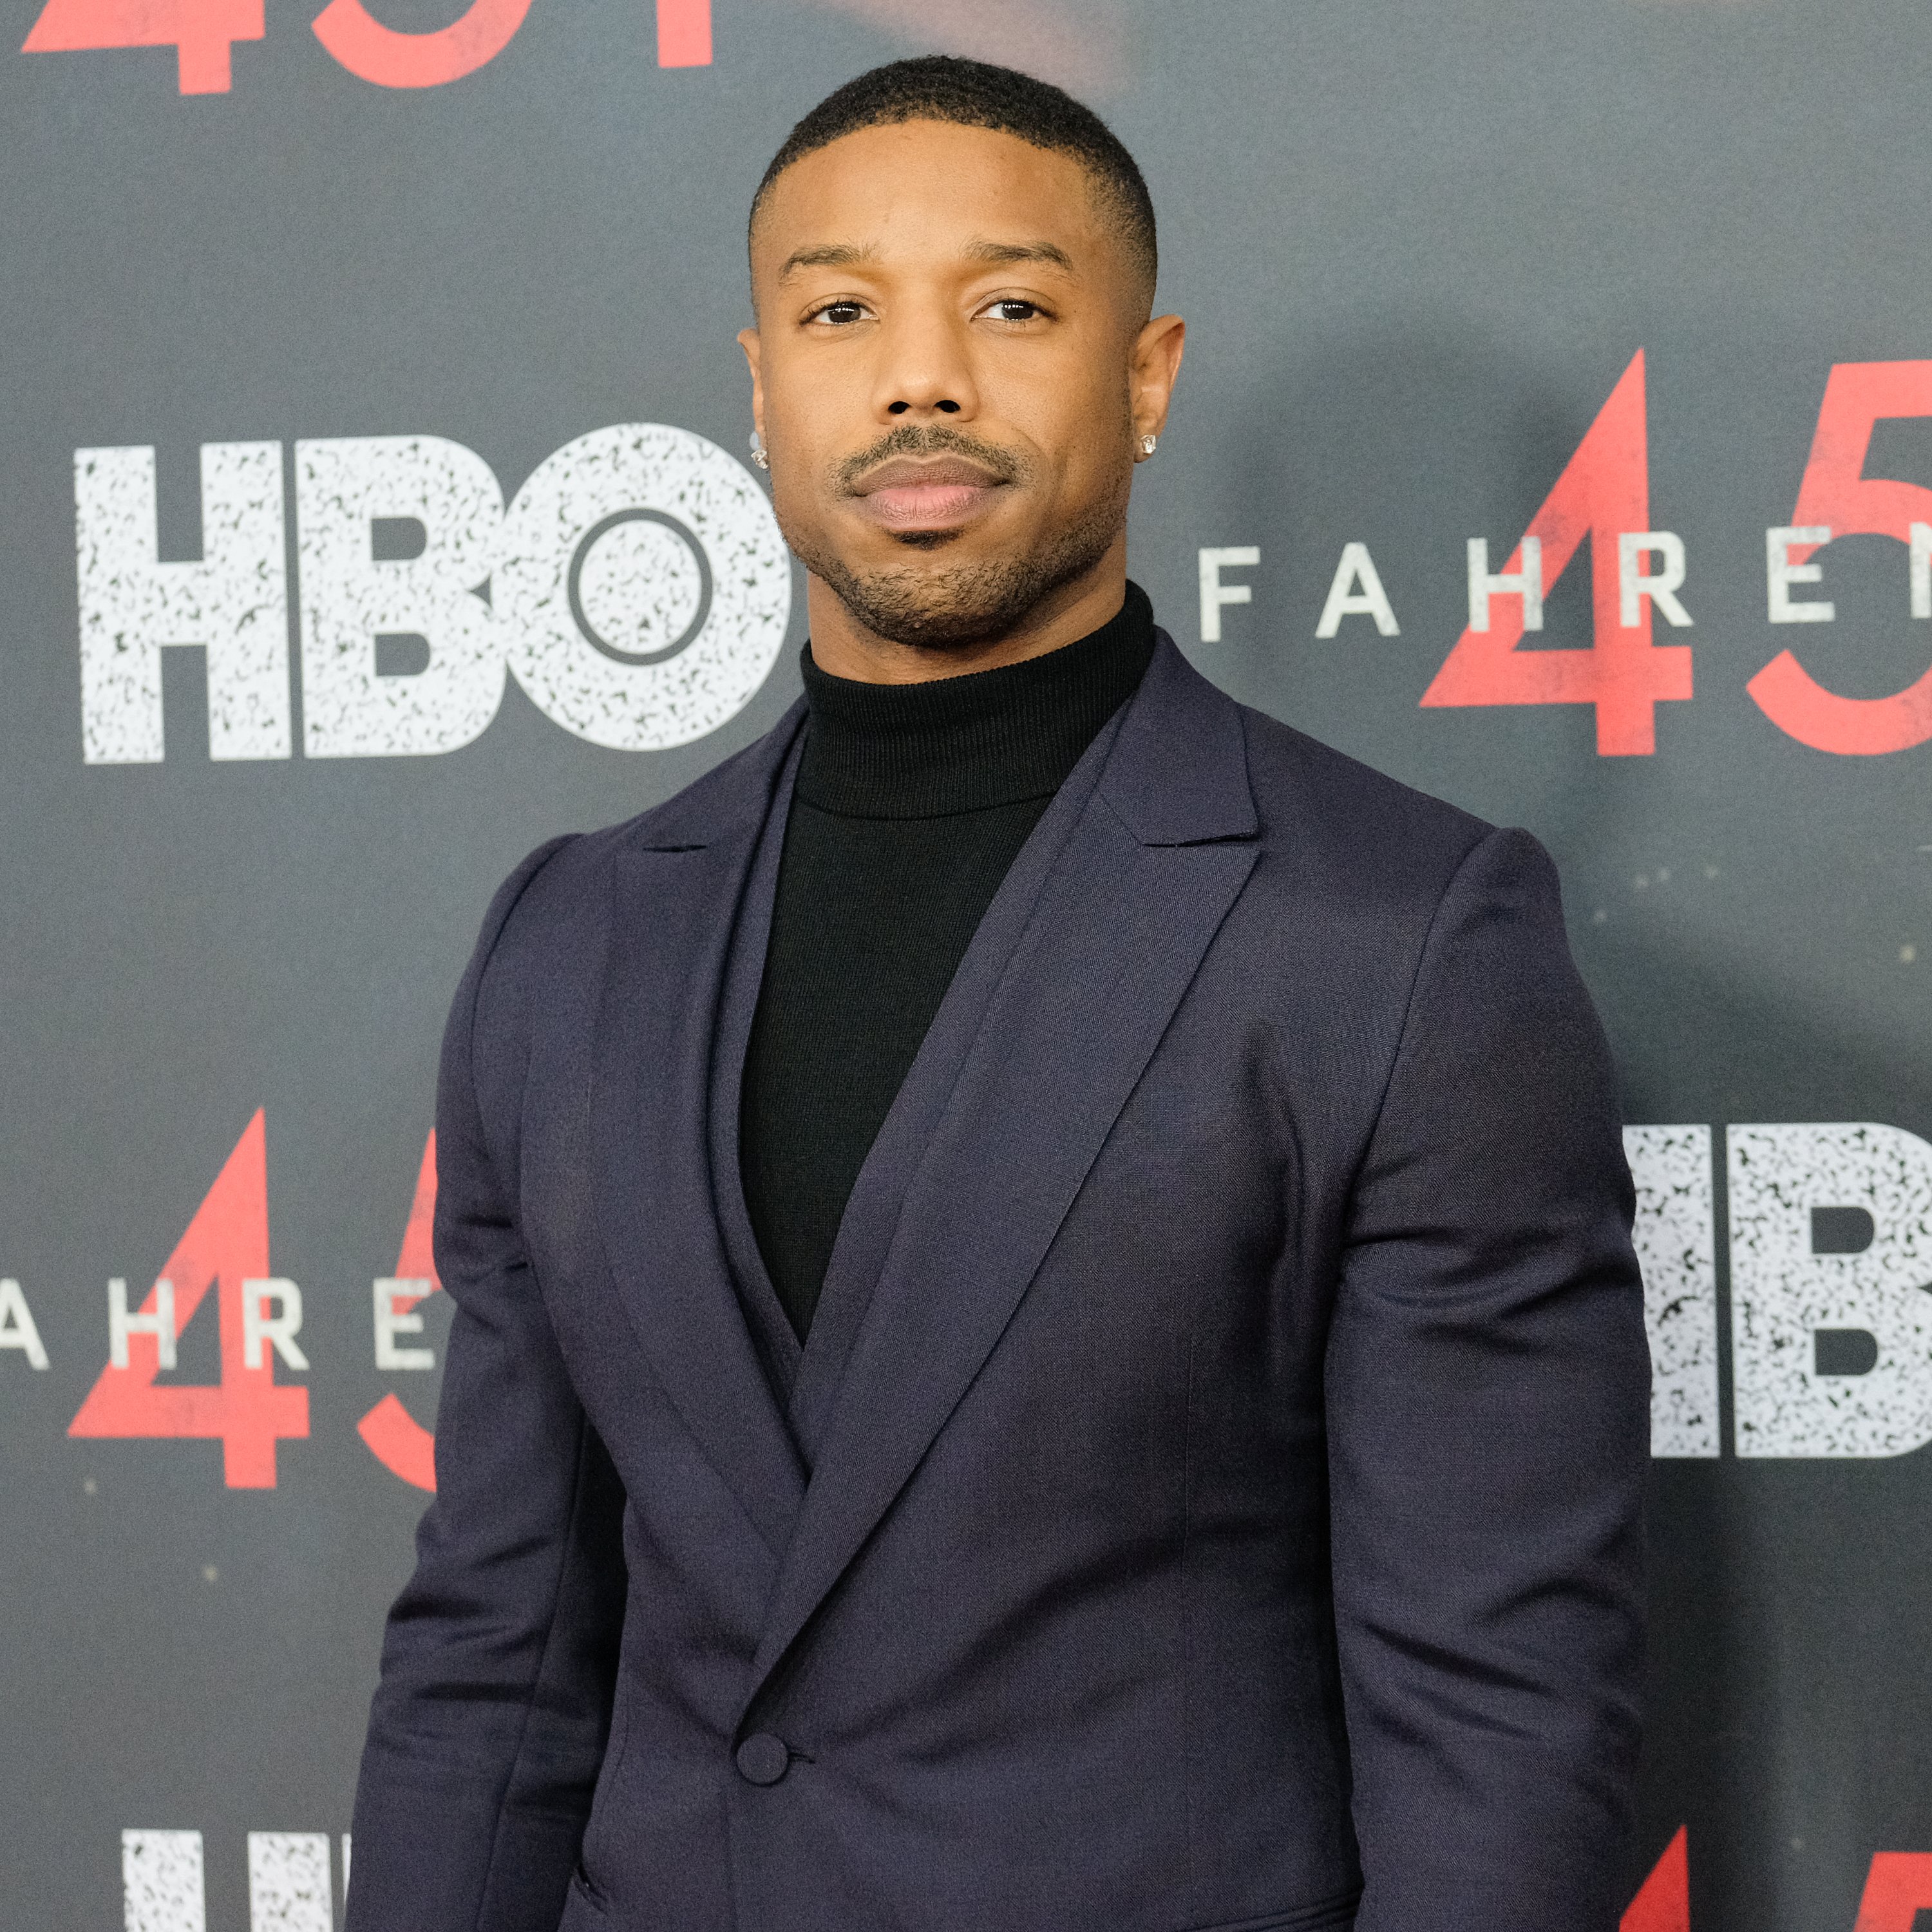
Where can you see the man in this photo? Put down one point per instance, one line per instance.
(1045, 1337)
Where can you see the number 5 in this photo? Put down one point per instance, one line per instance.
(1836, 494)
(392, 1434)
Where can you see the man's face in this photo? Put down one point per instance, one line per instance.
(950, 372)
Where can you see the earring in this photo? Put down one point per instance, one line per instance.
(758, 455)
(1149, 444)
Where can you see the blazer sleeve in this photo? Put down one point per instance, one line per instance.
(498, 1663)
(1488, 1384)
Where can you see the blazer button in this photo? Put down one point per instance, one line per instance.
(763, 1759)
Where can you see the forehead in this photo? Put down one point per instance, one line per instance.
(925, 187)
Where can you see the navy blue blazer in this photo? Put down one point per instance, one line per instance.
(1210, 1496)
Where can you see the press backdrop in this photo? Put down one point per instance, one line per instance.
(373, 507)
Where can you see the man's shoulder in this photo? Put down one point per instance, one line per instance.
(1198, 763)
(1331, 823)
(1309, 791)
(568, 880)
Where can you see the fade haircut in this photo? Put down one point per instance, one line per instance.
(971, 94)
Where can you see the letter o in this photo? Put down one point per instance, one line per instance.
(678, 530)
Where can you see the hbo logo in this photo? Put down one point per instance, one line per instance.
(637, 587)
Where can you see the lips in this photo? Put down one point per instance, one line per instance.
(935, 493)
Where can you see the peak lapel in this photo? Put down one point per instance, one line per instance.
(1157, 853)
(871, 1216)
(677, 886)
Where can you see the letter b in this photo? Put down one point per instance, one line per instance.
(1806, 1281)
(350, 599)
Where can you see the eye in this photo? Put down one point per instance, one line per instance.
(839, 314)
(1012, 308)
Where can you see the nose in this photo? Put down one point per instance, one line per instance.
(925, 370)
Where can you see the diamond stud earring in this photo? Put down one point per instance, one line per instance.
(1149, 444)
(758, 455)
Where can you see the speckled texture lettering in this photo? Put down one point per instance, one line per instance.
(161, 1882)
(1676, 1244)
(640, 584)
(288, 1882)
(234, 603)
(349, 599)
(1782, 1293)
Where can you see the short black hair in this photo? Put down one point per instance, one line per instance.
(972, 94)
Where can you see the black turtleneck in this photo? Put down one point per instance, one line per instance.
(912, 800)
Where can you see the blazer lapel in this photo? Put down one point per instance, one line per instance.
(777, 1342)
(1041, 1039)
(677, 889)
(878, 1195)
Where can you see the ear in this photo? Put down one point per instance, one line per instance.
(1152, 371)
(747, 340)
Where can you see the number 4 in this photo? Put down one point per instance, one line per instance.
(1604, 494)
(226, 1248)
(201, 32)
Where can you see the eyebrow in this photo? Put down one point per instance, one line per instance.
(1021, 251)
(850, 255)
(829, 255)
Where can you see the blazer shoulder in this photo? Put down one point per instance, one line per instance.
(509, 897)
(1348, 823)
(567, 880)
(735, 790)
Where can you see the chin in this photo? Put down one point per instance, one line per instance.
(952, 605)
(931, 590)
(925, 539)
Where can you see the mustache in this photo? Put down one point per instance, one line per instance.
(918, 439)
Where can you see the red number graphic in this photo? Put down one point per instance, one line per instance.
(226, 1244)
(1663, 1905)
(394, 1436)
(684, 33)
(1836, 495)
(380, 54)
(1603, 493)
(202, 32)
(1899, 1888)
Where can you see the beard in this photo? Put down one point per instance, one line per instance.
(939, 607)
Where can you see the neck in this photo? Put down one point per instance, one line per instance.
(844, 647)
(971, 742)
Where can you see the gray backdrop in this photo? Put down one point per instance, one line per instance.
(1417, 245)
